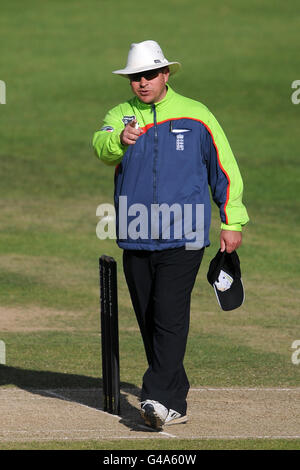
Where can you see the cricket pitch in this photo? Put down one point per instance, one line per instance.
(213, 413)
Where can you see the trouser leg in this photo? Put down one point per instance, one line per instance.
(161, 298)
(139, 277)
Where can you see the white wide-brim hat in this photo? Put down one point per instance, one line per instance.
(146, 55)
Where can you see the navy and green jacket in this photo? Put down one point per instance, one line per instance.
(181, 153)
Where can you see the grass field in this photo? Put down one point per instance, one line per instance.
(56, 60)
(212, 444)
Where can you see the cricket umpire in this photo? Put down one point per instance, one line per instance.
(169, 154)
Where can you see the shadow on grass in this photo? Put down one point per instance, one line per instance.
(80, 389)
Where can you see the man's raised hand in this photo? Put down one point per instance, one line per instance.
(130, 134)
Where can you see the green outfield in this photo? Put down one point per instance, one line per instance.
(240, 59)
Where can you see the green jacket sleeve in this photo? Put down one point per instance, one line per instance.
(226, 181)
(106, 141)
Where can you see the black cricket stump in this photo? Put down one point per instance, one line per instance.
(109, 334)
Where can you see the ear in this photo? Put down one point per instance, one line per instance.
(166, 73)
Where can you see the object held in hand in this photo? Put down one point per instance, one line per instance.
(224, 275)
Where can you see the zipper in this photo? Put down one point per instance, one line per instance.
(155, 156)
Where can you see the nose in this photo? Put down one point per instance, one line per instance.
(143, 81)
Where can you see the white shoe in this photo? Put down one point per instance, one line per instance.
(175, 418)
(154, 413)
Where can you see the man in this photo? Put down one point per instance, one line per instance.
(168, 150)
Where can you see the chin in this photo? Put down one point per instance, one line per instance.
(146, 99)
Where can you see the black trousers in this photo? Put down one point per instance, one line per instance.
(160, 285)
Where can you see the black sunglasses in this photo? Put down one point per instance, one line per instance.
(148, 75)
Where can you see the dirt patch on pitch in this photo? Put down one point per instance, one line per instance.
(69, 414)
(26, 319)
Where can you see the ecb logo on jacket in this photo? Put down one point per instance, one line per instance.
(180, 137)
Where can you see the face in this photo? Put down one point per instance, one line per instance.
(150, 86)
